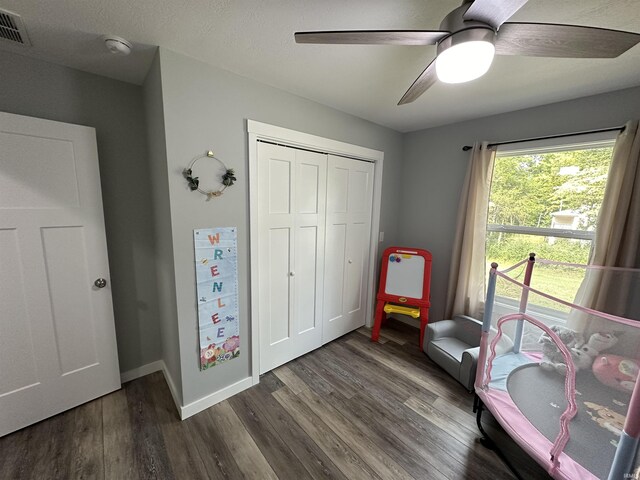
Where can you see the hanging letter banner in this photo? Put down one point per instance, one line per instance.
(216, 255)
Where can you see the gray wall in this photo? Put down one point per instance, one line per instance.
(207, 108)
(163, 245)
(38, 89)
(435, 166)
(149, 230)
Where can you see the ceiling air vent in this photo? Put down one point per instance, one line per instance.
(12, 29)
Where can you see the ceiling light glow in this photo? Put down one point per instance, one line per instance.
(464, 61)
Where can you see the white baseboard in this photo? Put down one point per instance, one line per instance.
(141, 371)
(194, 407)
(172, 388)
(215, 397)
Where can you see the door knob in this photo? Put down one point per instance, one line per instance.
(100, 283)
(292, 274)
(350, 261)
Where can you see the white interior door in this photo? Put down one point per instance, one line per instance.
(57, 336)
(348, 230)
(291, 223)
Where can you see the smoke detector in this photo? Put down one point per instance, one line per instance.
(117, 45)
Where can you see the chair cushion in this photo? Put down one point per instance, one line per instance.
(447, 352)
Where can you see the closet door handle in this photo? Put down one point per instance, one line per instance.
(292, 274)
(350, 261)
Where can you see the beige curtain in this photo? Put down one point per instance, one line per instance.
(465, 294)
(617, 234)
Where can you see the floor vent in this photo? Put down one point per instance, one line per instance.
(12, 29)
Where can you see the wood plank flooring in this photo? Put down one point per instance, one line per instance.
(349, 410)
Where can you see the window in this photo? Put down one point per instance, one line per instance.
(546, 199)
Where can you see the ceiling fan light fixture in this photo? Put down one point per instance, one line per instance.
(465, 56)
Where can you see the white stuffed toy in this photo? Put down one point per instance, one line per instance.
(582, 354)
(598, 342)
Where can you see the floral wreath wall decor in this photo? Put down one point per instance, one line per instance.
(227, 179)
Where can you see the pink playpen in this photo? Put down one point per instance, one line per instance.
(560, 378)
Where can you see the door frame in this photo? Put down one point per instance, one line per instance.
(292, 138)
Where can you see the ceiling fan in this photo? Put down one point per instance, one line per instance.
(473, 33)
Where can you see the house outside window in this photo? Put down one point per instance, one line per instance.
(545, 198)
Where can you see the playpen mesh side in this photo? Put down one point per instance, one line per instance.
(609, 291)
(603, 385)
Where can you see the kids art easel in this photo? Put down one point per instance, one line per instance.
(405, 283)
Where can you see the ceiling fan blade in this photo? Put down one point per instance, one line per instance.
(373, 37)
(493, 12)
(563, 41)
(427, 78)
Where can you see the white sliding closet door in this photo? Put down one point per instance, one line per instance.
(291, 212)
(349, 201)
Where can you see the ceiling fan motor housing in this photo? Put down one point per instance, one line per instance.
(455, 23)
(472, 34)
(462, 30)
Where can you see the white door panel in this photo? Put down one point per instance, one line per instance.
(279, 185)
(275, 170)
(306, 272)
(334, 271)
(291, 201)
(57, 336)
(278, 285)
(359, 185)
(350, 196)
(16, 342)
(307, 188)
(337, 188)
(358, 237)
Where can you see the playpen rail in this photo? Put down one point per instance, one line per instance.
(524, 298)
(569, 381)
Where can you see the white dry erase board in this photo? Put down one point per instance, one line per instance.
(405, 274)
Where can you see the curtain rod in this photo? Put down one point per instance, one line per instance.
(562, 135)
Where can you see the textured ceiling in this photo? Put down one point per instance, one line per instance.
(255, 39)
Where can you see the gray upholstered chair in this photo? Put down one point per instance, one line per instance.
(454, 345)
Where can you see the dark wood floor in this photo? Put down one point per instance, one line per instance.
(349, 410)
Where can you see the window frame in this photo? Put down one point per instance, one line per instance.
(549, 145)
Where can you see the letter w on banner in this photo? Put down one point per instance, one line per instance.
(216, 257)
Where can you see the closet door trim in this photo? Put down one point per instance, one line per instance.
(258, 131)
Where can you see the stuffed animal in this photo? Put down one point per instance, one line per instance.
(581, 360)
(600, 341)
(605, 417)
(617, 372)
(584, 355)
(552, 358)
